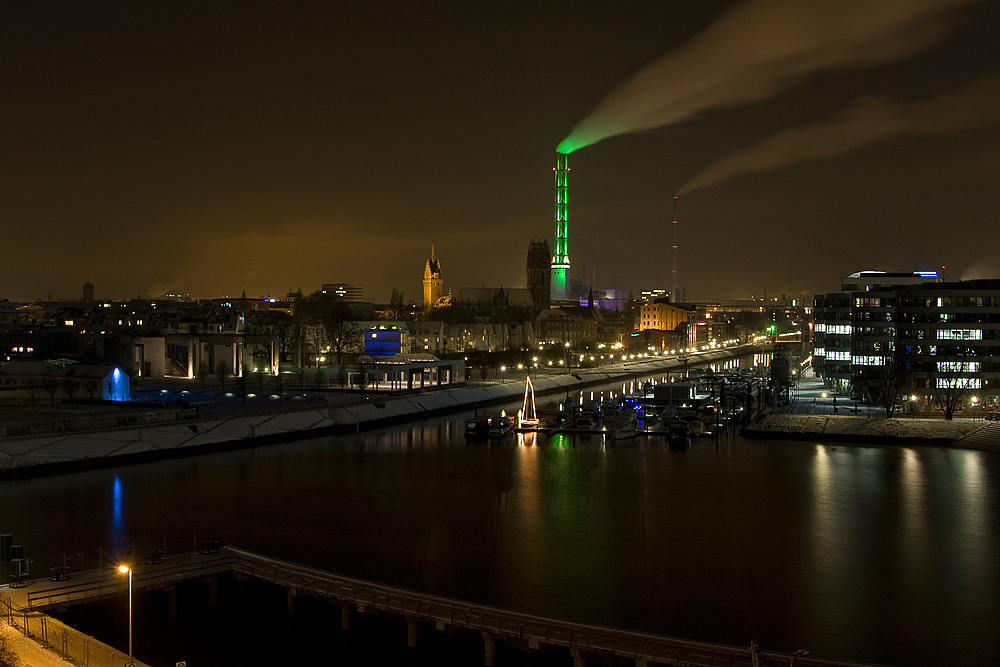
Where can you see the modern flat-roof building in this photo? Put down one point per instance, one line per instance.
(933, 337)
(342, 291)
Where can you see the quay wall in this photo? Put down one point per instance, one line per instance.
(66, 452)
(861, 430)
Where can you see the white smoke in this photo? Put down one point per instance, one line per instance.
(758, 49)
(867, 122)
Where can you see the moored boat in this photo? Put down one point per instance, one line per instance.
(502, 426)
(477, 428)
(624, 426)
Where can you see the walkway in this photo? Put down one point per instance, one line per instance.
(986, 439)
(119, 446)
(492, 623)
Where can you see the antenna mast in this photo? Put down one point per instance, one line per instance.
(673, 275)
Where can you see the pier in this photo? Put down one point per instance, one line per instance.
(524, 631)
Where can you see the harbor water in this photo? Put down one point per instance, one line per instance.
(878, 554)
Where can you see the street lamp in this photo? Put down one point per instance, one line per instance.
(126, 569)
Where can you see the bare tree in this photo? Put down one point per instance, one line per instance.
(90, 385)
(887, 383)
(132, 370)
(52, 388)
(342, 332)
(32, 387)
(259, 376)
(203, 372)
(362, 378)
(223, 371)
(70, 387)
(287, 335)
(950, 382)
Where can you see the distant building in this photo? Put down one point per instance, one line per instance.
(654, 340)
(651, 295)
(663, 315)
(499, 304)
(606, 299)
(88, 291)
(539, 269)
(569, 324)
(433, 284)
(343, 291)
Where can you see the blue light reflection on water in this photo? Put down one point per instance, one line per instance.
(117, 536)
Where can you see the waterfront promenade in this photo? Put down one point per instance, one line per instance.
(813, 414)
(32, 455)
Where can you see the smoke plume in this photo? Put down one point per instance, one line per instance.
(758, 49)
(868, 121)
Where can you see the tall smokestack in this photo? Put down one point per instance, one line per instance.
(560, 252)
(673, 274)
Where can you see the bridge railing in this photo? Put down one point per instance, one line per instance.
(499, 622)
(415, 606)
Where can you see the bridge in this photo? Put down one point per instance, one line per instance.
(524, 631)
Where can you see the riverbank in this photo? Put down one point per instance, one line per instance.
(70, 452)
(862, 429)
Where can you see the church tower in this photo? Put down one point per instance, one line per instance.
(539, 268)
(433, 284)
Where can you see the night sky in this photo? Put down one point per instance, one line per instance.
(196, 147)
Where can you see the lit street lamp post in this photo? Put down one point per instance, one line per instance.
(126, 569)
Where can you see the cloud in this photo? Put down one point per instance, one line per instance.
(868, 121)
(758, 49)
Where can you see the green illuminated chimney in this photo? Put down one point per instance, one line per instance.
(560, 256)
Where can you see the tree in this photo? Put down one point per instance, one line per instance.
(223, 371)
(70, 386)
(90, 386)
(259, 376)
(342, 332)
(132, 370)
(32, 387)
(362, 378)
(52, 388)
(950, 383)
(887, 383)
(282, 327)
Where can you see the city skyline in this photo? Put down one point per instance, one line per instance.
(195, 150)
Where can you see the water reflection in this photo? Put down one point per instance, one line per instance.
(117, 536)
(913, 514)
(834, 548)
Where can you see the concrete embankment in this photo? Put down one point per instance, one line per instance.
(861, 430)
(48, 454)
